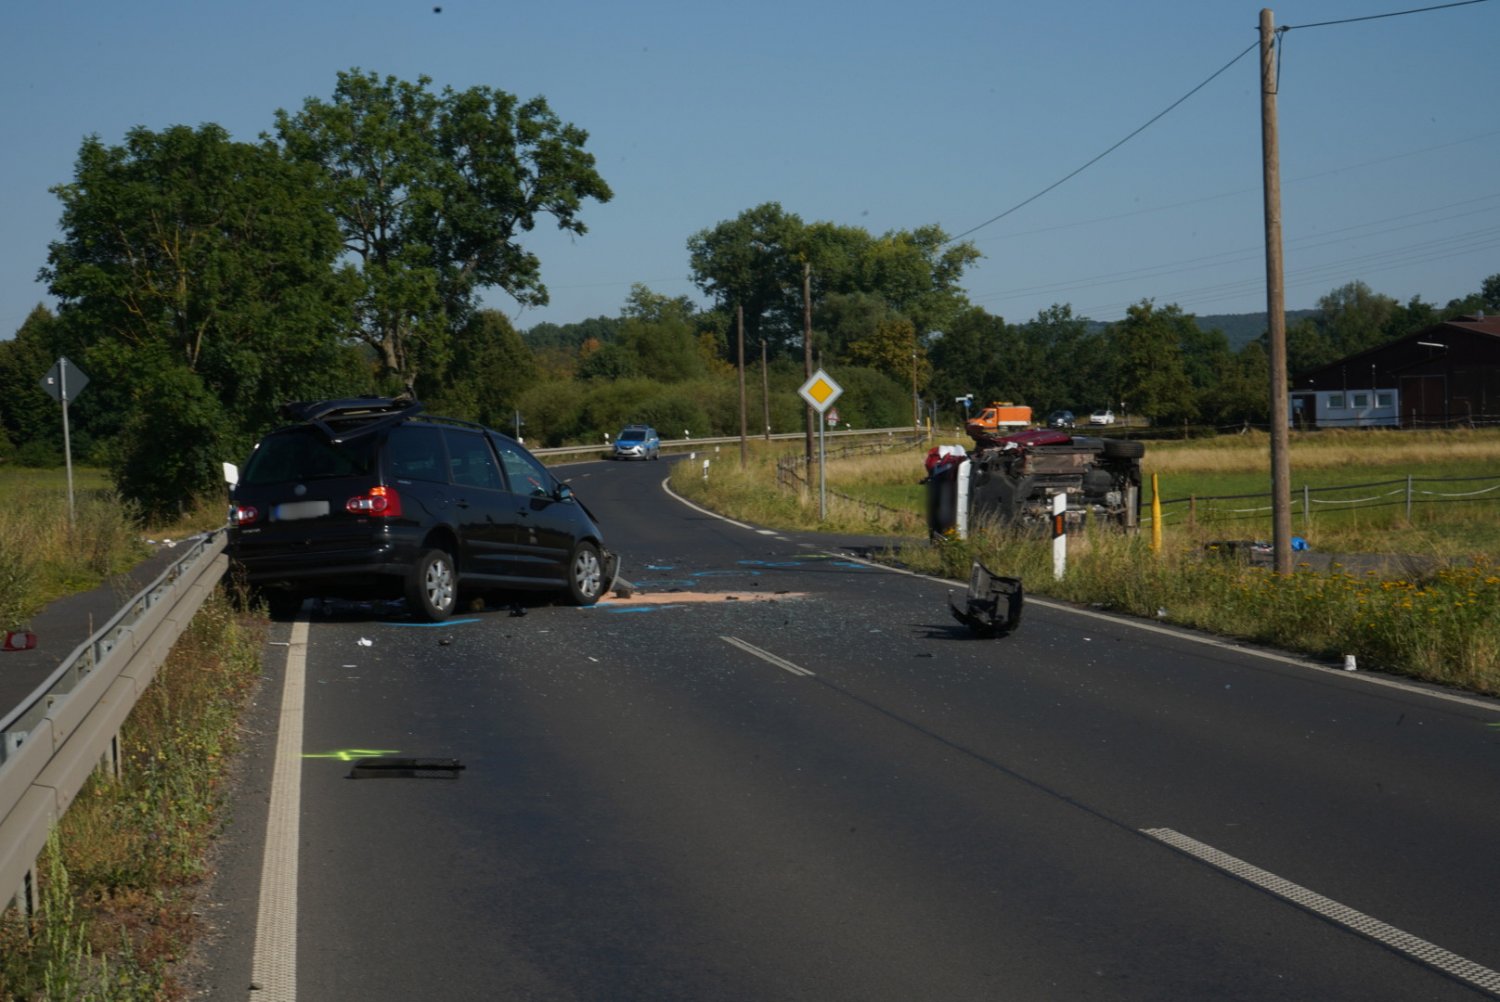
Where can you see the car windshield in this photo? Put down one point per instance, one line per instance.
(305, 454)
(632, 435)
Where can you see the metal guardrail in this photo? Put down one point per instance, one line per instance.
(63, 731)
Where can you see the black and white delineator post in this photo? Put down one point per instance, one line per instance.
(1059, 534)
(63, 382)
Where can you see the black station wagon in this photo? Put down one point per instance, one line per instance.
(371, 498)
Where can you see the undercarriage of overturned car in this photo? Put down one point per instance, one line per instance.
(1016, 480)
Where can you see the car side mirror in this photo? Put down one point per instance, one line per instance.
(563, 492)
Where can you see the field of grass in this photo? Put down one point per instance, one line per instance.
(44, 554)
(1442, 626)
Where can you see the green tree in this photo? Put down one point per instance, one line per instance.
(661, 334)
(174, 439)
(1153, 379)
(1073, 366)
(184, 250)
(490, 369)
(1239, 388)
(431, 192)
(30, 420)
(757, 261)
(754, 262)
(1353, 317)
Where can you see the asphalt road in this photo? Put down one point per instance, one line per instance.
(785, 774)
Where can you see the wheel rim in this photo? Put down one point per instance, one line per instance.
(439, 584)
(586, 572)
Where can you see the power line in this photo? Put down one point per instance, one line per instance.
(1164, 112)
(1159, 115)
(1377, 17)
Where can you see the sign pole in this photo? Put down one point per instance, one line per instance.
(822, 468)
(820, 391)
(62, 378)
(55, 382)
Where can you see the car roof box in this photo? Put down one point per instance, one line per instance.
(352, 417)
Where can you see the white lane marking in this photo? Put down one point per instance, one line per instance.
(766, 656)
(666, 486)
(1371, 928)
(273, 971)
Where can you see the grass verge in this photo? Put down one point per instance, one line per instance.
(124, 868)
(45, 554)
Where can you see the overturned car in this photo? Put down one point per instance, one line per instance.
(1013, 479)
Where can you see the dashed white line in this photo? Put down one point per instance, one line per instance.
(766, 656)
(1371, 928)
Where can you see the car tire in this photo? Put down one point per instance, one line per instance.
(432, 587)
(585, 574)
(282, 605)
(1123, 448)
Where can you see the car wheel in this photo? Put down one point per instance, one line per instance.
(432, 588)
(585, 574)
(281, 604)
(1123, 448)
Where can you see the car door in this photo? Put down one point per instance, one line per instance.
(481, 504)
(545, 525)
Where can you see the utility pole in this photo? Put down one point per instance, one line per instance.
(739, 316)
(916, 405)
(807, 352)
(1281, 466)
(765, 389)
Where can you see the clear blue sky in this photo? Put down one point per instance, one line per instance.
(881, 115)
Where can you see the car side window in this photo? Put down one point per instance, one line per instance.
(415, 452)
(526, 475)
(470, 461)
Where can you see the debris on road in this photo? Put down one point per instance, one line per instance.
(993, 605)
(18, 640)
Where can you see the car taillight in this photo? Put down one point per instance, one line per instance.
(242, 514)
(382, 501)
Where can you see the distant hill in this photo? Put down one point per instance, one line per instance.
(1242, 328)
(1239, 328)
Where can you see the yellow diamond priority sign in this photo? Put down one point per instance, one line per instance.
(820, 391)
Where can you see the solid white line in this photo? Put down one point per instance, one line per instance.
(767, 656)
(1371, 928)
(273, 971)
(666, 486)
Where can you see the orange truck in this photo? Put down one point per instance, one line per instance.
(998, 419)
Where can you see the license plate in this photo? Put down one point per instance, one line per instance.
(293, 510)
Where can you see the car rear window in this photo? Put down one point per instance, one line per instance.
(305, 454)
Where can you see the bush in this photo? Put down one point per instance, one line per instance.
(172, 446)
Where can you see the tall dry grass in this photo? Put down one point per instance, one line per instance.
(45, 554)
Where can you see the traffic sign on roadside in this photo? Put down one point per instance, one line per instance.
(64, 381)
(820, 391)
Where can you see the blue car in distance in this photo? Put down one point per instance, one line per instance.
(637, 441)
